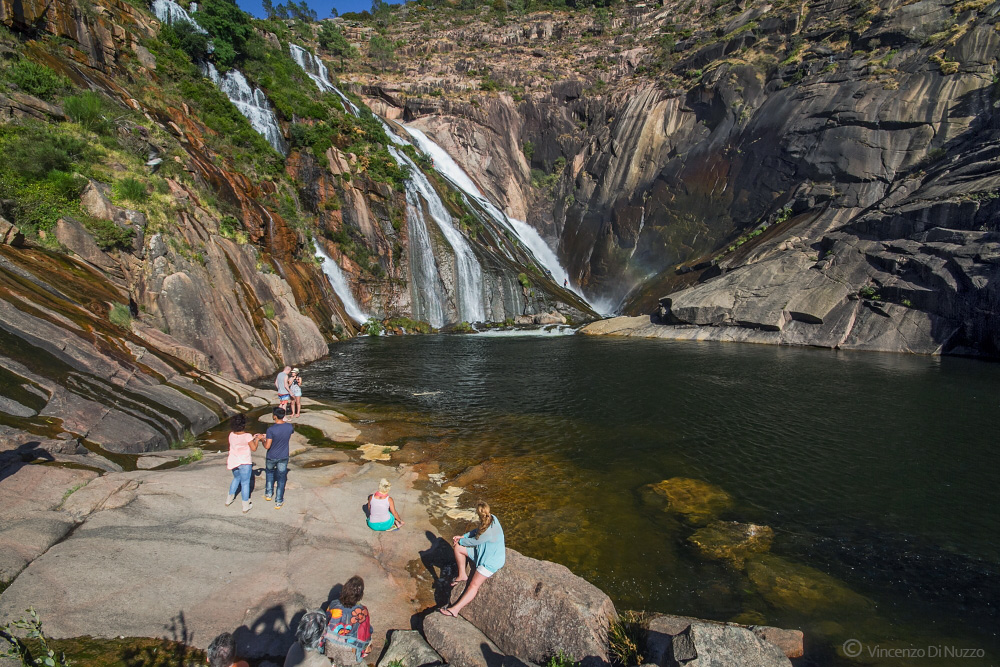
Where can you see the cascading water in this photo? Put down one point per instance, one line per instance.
(252, 103)
(525, 233)
(169, 12)
(428, 293)
(469, 287)
(316, 70)
(338, 281)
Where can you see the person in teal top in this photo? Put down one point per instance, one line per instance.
(486, 551)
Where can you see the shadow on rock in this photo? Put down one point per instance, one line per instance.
(269, 635)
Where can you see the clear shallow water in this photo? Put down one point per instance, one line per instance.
(877, 470)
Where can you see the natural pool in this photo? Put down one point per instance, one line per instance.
(875, 471)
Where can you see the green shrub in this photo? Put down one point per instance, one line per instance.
(268, 310)
(229, 226)
(131, 189)
(523, 279)
(626, 636)
(195, 455)
(36, 79)
(120, 316)
(87, 109)
(186, 440)
(464, 327)
(40, 152)
(372, 327)
(17, 634)
(560, 659)
(109, 235)
(191, 40)
(529, 150)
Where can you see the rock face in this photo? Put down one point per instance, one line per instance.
(566, 612)
(462, 644)
(820, 175)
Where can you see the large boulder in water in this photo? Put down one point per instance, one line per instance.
(731, 541)
(533, 609)
(662, 629)
(704, 644)
(802, 589)
(696, 501)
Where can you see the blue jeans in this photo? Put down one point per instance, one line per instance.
(275, 470)
(241, 481)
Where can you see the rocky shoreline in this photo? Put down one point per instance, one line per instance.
(154, 553)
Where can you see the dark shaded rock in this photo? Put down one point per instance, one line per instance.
(566, 612)
(9, 234)
(409, 648)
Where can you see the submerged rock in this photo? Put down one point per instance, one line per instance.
(711, 644)
(696, 501)
(801, 588)
(669, 640)
(732, 541)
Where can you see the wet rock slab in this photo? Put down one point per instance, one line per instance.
(696, 501)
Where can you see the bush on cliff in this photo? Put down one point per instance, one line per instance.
(35, 79)
(87, 109)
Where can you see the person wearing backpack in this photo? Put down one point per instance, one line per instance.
(348, 635)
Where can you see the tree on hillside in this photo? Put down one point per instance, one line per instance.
(381, 11)
(381, 51)
(229, 27)
(268, 9)
(331, 39)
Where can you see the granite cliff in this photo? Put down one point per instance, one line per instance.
(819, 173)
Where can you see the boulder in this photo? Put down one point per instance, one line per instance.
(732, 541)
(409, 649)
(9, 234)
(696, 501)
(663, 628)
(713, 644)
(75, 236)
(565, 613)
(550, 318)
(462, 644)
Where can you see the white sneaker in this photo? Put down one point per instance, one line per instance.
(229, 500)
(247, 506)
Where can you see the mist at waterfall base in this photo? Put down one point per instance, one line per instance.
(875, 469)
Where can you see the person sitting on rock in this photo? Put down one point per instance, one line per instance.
(382, 510)
(222, 652)
(242, 445)
(307, 651)
(485, 548)
(349, 631)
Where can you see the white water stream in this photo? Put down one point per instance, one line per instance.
(525, 233)
(169, 12)
(251, 102)
(338, 281)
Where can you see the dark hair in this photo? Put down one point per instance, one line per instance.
(238, 422)
(222, 651)
(311, 629)
(352, 592)
(278, 413)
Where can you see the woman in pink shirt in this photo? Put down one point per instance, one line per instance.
(242, 445)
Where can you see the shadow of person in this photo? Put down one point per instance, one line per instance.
(367, 512)
(439, 561)
(172, 651)
(269, 635)
(15, 459)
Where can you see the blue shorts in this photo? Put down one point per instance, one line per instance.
(283, 397)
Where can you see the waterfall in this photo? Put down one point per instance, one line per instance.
(469, 287)
(169, 12)
(525, 233)
(251, 102)
(316, 70)
(338, 281)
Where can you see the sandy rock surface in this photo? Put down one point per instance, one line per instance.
(156, 553)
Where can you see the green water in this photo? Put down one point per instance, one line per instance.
(876, 470)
